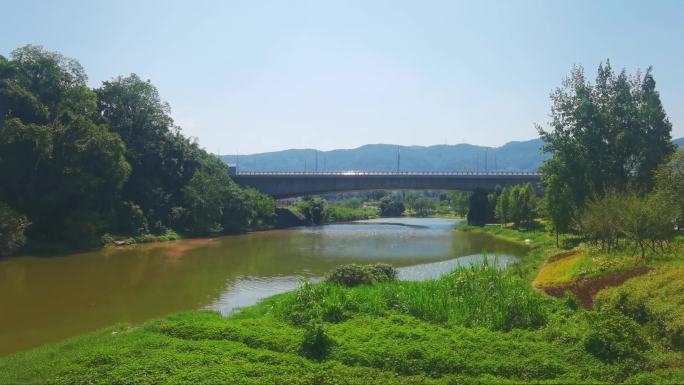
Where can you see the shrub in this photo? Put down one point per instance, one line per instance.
(383, 271)
(354, 274)
(656, 299)
(612, 337)
(316, 343)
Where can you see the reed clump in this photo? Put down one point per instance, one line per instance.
(475, 296)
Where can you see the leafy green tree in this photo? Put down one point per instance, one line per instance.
(557, 204)
(670, 184)
(424, 206)
(79, 162)
(205, 195)
(314, 210)
(607, 135)
(458, 200)
(528, 201)
(503, 204)
(60, 166)
(163, 161)
(391, 207)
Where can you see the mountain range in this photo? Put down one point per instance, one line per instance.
(512, 156)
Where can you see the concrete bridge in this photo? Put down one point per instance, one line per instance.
(293, 184)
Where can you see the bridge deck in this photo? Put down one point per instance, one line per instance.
(401, 173)
(291, 184)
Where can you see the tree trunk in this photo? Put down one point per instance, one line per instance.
(556, 238)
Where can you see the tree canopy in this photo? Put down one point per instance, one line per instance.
(78, 162)
(609, 135)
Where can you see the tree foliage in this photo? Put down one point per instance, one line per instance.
(670, 184)
(645, 220)
(608, 135)
(80, 162)
(391, 207)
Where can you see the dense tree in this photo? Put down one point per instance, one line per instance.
(516, 203)
(458, 201)
(645, 220)
(163, 161)
(60, 166)
(78, 163)
(670, 184)
(480, 208)
(607, 135)
(557, 203)
(205, 196)
(503, 206)
(391, 207)
(314, 210)
(424, 206)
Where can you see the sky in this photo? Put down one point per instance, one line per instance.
(254, 76)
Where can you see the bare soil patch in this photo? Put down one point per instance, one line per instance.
(585, 289)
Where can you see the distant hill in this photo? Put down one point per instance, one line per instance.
(679, 142)
(513, 156)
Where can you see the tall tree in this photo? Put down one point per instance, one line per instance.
(607, 135)
(557, 203)
(60, 166)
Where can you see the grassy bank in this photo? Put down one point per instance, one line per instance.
(476, 325)
(541, 245)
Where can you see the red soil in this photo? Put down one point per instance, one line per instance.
(585, 289)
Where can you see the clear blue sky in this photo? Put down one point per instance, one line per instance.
(255, 76)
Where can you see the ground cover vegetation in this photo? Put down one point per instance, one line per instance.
(78, 163)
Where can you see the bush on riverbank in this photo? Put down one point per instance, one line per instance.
(353, 275)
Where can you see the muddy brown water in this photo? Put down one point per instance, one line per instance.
(46, 299)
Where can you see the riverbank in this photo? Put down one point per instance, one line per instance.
(390, 333)
(472, 326)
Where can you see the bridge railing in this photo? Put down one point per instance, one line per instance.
(387, 173)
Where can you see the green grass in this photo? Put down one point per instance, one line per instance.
(476, 325)
(541, 244)
(347, 214)
(559, 271)
(477, 296)
(655, 300)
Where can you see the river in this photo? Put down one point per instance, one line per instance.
(45, 299)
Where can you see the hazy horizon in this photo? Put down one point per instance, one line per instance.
(249, 78)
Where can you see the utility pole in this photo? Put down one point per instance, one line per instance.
(398, 160)
(485, 160)
(316, 160)
(496, 165)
